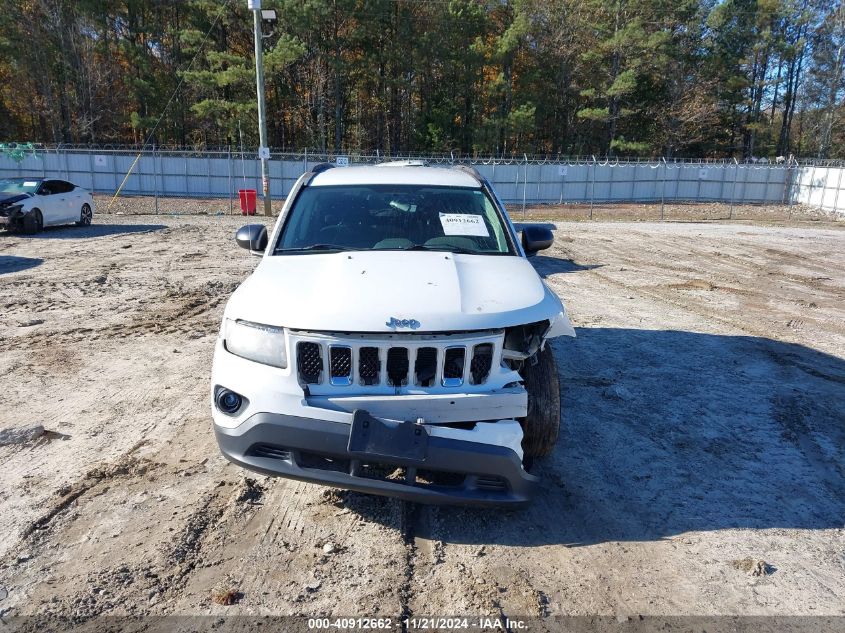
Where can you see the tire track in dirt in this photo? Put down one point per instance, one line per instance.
(449, 575)
(410, 516)
(187, 312)
(302, 548)
(657, 293)
(109, 406)
(136, 586)
(727, 267)
(805, 420)
(126, 467)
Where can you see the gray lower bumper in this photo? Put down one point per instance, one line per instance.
(316, 451)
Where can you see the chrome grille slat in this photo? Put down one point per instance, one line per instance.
(340, 365)
(454, 364)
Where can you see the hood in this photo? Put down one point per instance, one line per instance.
(367, 291)
(7, 199)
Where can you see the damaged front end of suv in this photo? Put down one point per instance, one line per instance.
(393, 340)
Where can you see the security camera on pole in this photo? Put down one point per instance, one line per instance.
(263, 150)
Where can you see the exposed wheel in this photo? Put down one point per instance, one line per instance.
(541, 426)
(32, 222)
(85, 216)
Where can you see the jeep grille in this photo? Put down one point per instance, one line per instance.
(434, 361)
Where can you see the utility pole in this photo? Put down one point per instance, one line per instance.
(263, 151)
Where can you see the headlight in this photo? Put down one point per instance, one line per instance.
(253, 341)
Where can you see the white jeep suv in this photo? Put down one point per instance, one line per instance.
(392, 340)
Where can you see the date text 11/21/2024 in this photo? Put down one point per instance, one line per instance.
(418, 623)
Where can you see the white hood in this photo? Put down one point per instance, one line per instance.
(361, 291)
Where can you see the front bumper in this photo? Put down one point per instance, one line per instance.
(454, 471)
(11, 215)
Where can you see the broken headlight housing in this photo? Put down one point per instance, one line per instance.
(256, 342)
(522, 341)
(10, 210)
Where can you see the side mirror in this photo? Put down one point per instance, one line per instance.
(252, 237)
(536, 238)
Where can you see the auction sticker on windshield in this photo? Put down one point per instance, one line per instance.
(463, 224)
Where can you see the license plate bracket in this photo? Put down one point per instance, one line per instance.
(371, 437)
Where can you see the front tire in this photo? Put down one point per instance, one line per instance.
(32, 222)
(541, 426)
(85, 216)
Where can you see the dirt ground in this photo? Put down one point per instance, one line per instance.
(616, 212)
(701, 469)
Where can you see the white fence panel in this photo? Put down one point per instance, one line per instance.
(820, 187)
(221, 174)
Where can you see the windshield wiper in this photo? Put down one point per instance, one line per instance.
(445, 248)
(314, 247)
(442, 248)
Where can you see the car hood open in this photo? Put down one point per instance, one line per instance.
(366, 291)
(7, 199)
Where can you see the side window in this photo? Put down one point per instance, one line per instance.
(52, 187)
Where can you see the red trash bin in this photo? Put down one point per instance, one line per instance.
(249, 201)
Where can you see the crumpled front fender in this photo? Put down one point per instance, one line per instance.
(561, 326)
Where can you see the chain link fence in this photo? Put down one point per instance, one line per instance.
(584, 186)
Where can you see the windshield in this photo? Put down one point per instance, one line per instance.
(394, 217)
(19, 185)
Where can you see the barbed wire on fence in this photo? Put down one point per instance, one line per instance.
(319, 155)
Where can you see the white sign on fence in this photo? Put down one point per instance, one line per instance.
(342, 161)
(702, 174)
(264, 153)
(100, 161)
(561, 170)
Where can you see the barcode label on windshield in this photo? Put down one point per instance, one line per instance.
(463, 224)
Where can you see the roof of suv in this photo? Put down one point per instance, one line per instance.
(387, 175)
